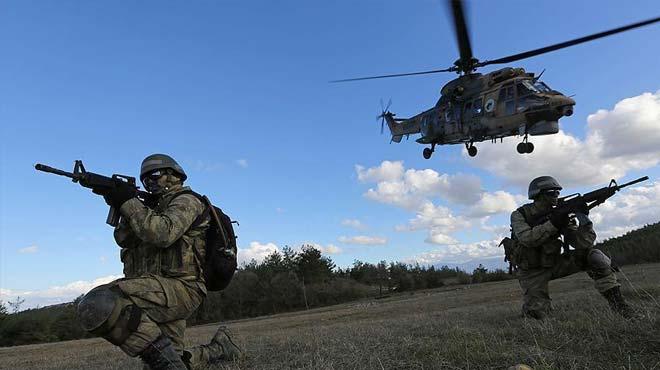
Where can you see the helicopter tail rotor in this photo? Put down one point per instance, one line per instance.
(384, 111)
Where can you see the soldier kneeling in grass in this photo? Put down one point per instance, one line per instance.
(535, 250)
(163, 250)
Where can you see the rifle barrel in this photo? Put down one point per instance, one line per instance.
(44, 168)
(634, 182)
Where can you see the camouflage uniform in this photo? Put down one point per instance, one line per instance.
(163, 274)
(162, 249)
(541, 259)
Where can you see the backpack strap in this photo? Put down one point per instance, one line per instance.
(209, 210)
(200, 218)
(202, 199)
(523, 211)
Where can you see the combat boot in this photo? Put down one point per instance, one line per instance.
(160, 355)
(226, 349)
(617, 303)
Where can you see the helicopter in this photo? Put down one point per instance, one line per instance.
(476, 107)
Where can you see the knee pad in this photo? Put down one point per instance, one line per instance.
(598, 260)
(109, 314)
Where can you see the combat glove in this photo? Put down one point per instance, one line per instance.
(583, 208)
(120, 194)
(559, 218)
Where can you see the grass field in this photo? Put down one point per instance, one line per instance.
(459, 327)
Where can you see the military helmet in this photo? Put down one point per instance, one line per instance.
(541, 184)
(159, 162)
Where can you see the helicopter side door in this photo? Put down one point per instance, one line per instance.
(506, 101)
(451, 115)
(472, 112)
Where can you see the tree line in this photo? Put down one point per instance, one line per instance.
(296, 280)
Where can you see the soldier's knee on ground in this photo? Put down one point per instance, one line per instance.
(599, 263)
(538, 314)
(106, 312)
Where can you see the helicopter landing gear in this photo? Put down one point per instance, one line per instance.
(471, 149)
(428, 152)
(525, 147)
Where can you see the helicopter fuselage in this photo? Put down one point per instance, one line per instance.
(475, 107)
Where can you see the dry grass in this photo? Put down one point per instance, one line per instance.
(467, 327)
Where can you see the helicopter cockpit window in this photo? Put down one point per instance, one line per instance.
(526, 87)
(542, 87)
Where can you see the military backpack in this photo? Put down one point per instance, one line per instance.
(220, 263)
(513, 251)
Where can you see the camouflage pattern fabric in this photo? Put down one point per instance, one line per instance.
(160, 241)
(543, 262)
(165, 305)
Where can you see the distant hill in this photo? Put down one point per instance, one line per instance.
(491, 263)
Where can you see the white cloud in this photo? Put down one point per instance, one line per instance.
(325, 249)
(410, 189)
(494, 229)
(363, 240)
(414, 190)
(630, 129)
(387, 171)
(55, 294)
(493, 203)
(619, 140)
(460, 253)
(439, 221)
(331, 249)
(353, 223)
(29, 250)
(242, 162)
(256, 251)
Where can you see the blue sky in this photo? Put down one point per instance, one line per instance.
(237, 92)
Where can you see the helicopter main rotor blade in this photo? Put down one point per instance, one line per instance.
(450, 69)
(461, 31)
(547, 49)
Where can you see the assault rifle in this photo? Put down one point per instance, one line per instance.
(576, 203)
(583, 203)
(98, 183)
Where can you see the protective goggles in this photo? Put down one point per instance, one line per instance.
(153, 176)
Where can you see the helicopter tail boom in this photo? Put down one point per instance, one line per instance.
(400, 127)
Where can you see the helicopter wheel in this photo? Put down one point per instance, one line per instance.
(522, 148)
(472, 150)
(427, 153)
(529, 147)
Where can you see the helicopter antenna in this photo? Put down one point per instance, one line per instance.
(539, 76)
